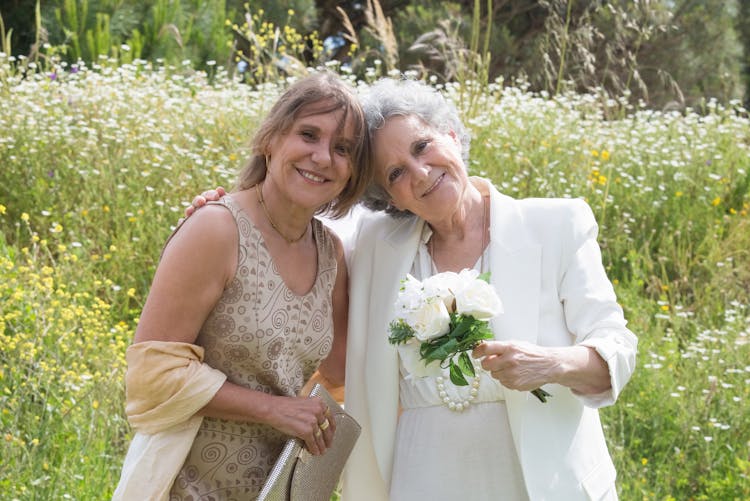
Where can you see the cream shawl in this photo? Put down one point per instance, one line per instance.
(166, 384)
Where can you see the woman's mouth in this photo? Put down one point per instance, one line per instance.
(434, 185)
(311, 177)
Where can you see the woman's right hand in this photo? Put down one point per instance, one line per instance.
(201, 200)
(304, 418)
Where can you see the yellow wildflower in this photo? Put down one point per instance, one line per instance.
(605, 155)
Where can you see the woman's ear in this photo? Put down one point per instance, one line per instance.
(456, 139)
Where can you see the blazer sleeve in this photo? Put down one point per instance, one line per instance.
(592, 313)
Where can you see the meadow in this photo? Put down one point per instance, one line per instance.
(97, 164)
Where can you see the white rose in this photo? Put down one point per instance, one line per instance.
(443, 286)
(429, 321)
(479, 300)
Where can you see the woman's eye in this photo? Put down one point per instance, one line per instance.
(306, 134)
(420, 146)
(342, 149)
(394, 174)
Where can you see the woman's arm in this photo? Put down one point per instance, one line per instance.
(196, 265)
(602, 356)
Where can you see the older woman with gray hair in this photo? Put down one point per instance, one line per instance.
(561, 329)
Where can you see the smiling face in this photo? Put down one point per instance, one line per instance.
(420, 167)
(310, 164)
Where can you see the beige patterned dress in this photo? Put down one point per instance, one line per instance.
(265, 337)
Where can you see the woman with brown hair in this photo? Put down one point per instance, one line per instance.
(248, 300)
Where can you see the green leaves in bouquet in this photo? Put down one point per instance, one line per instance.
(401, 332)
(461, 369)
(466, 332)
(541, 395)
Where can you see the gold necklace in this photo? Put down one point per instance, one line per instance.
(431, 246)
(270, 220)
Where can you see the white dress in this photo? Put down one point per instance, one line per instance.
(442, 454)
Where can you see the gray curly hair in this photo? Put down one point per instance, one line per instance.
(389, 97)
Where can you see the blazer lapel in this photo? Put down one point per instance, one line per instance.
(515, 263)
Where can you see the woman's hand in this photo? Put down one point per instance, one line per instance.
(201, 200)
(307, 418)
(518, 365)
(524, 366)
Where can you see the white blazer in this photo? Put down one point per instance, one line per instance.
(546, 266)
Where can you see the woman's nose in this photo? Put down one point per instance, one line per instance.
(418, 170)
(322, 153)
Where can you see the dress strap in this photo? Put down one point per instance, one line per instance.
(228, 202)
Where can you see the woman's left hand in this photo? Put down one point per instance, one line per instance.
(518, 365)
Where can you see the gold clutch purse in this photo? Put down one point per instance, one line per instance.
(300, 476)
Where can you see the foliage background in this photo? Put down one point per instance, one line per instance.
(100, 154)
(665, 52)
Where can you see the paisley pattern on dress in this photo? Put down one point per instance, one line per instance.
(264, 337)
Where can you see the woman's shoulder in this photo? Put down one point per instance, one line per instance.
(543, 207)
(212, 226)
(550, 217)
(215, 217)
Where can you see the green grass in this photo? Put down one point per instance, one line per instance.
(95, 169)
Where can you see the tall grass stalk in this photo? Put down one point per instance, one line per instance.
(563, 48)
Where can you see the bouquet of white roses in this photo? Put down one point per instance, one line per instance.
(448, 313)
